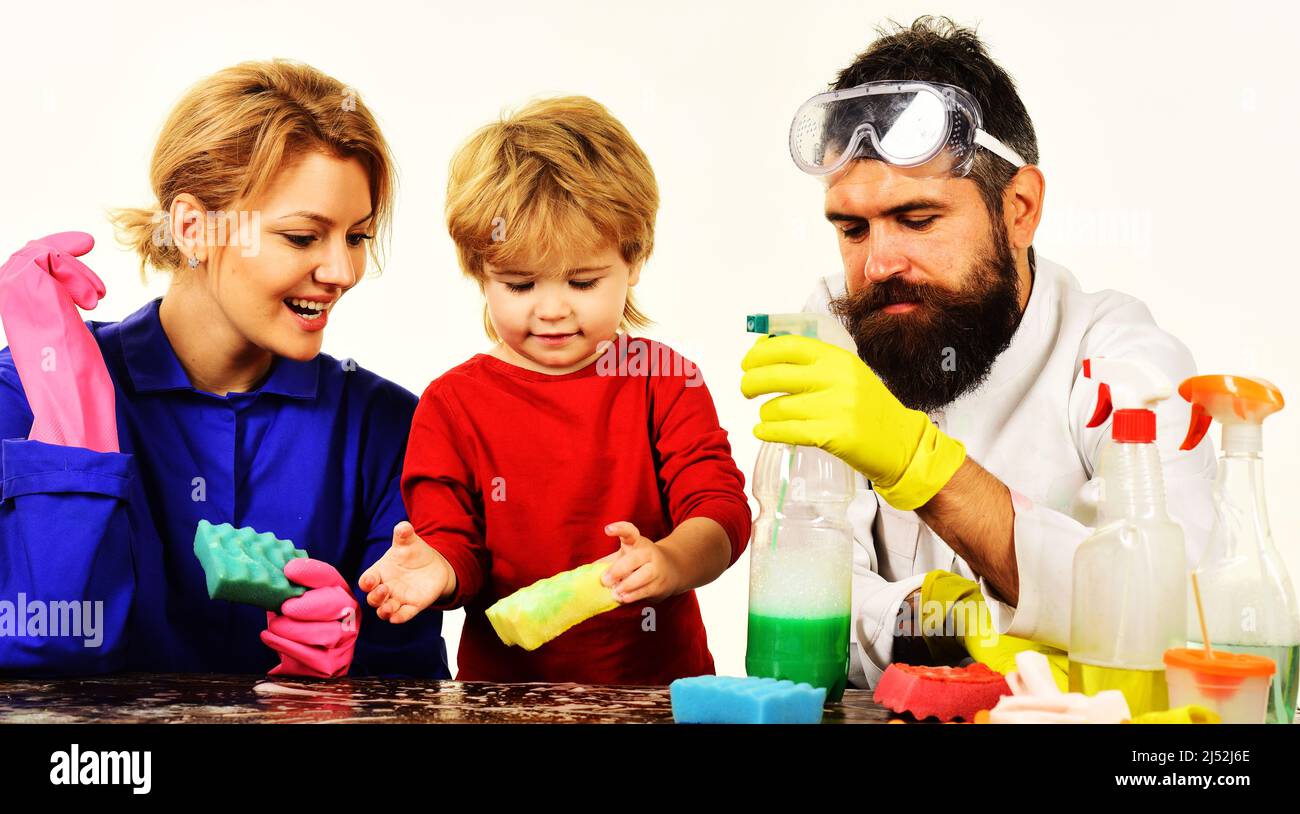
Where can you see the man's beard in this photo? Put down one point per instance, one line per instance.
(946, 345)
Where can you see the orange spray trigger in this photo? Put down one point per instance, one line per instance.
(1226, 397)
(1201, 421)
(1232, 400)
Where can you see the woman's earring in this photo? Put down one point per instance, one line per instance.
(194, 262)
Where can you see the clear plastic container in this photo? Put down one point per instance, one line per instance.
(1250, 604)
(1234, 685)
(801, 568)
(1130, 577)
(1130, 586)
(801, 551)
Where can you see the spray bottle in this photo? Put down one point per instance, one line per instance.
(801, 549)
(1130, 577)
(1250, 606)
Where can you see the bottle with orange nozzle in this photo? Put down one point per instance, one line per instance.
(1129, 602)
(1250, 605)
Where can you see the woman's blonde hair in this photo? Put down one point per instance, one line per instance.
(556, 180)
(232, 132)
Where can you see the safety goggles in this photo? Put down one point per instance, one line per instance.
(904, 124)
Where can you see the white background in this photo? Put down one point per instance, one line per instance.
(1168, 139)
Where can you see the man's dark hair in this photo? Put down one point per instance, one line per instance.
(935, 49)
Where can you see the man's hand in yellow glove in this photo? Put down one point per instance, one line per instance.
(838, 404)
(946, 596)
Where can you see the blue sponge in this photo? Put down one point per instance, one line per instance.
(727, 700)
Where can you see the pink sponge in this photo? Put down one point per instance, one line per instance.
(941, 692)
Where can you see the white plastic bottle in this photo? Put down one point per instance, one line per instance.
(1129, 602)
(801, 548)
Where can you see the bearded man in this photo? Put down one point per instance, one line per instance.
(967, 411)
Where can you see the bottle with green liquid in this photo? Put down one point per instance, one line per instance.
(801, 551)
(1249, 602)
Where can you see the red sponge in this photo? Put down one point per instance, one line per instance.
(942, 692)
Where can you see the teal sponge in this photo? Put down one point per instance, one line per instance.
(727, 700)
(244, 566)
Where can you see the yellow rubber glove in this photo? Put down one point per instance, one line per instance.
(838, 404)
(1190, 714)
(944, 595)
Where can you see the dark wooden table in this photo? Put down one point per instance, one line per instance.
(196, 698)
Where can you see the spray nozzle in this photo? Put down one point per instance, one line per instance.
(818, 326)
(1131, 388)
(1234, 401)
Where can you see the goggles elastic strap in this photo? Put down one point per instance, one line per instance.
(996, 147)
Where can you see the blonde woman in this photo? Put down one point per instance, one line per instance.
(272, 179)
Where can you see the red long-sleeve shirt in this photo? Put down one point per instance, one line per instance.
(513, 474)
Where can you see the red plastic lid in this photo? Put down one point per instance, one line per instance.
(1134, 426)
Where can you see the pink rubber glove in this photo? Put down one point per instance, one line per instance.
(63, 374)
(315, 633)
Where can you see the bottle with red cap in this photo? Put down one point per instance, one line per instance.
(1250, 604)
(1129, 602)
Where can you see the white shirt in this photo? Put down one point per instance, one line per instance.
(1026, 425)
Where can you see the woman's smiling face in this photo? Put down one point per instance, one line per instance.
(301, 245)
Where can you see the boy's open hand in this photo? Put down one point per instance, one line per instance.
(642, 571)
(410, 577)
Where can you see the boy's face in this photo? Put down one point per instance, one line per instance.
(552, 320)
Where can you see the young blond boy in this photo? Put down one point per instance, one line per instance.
(556, 448)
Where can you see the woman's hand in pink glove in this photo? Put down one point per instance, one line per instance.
(68, 388)
(315, 633)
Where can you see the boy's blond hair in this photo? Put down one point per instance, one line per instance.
(556, 180)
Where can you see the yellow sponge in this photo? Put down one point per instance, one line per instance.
(530, 617)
